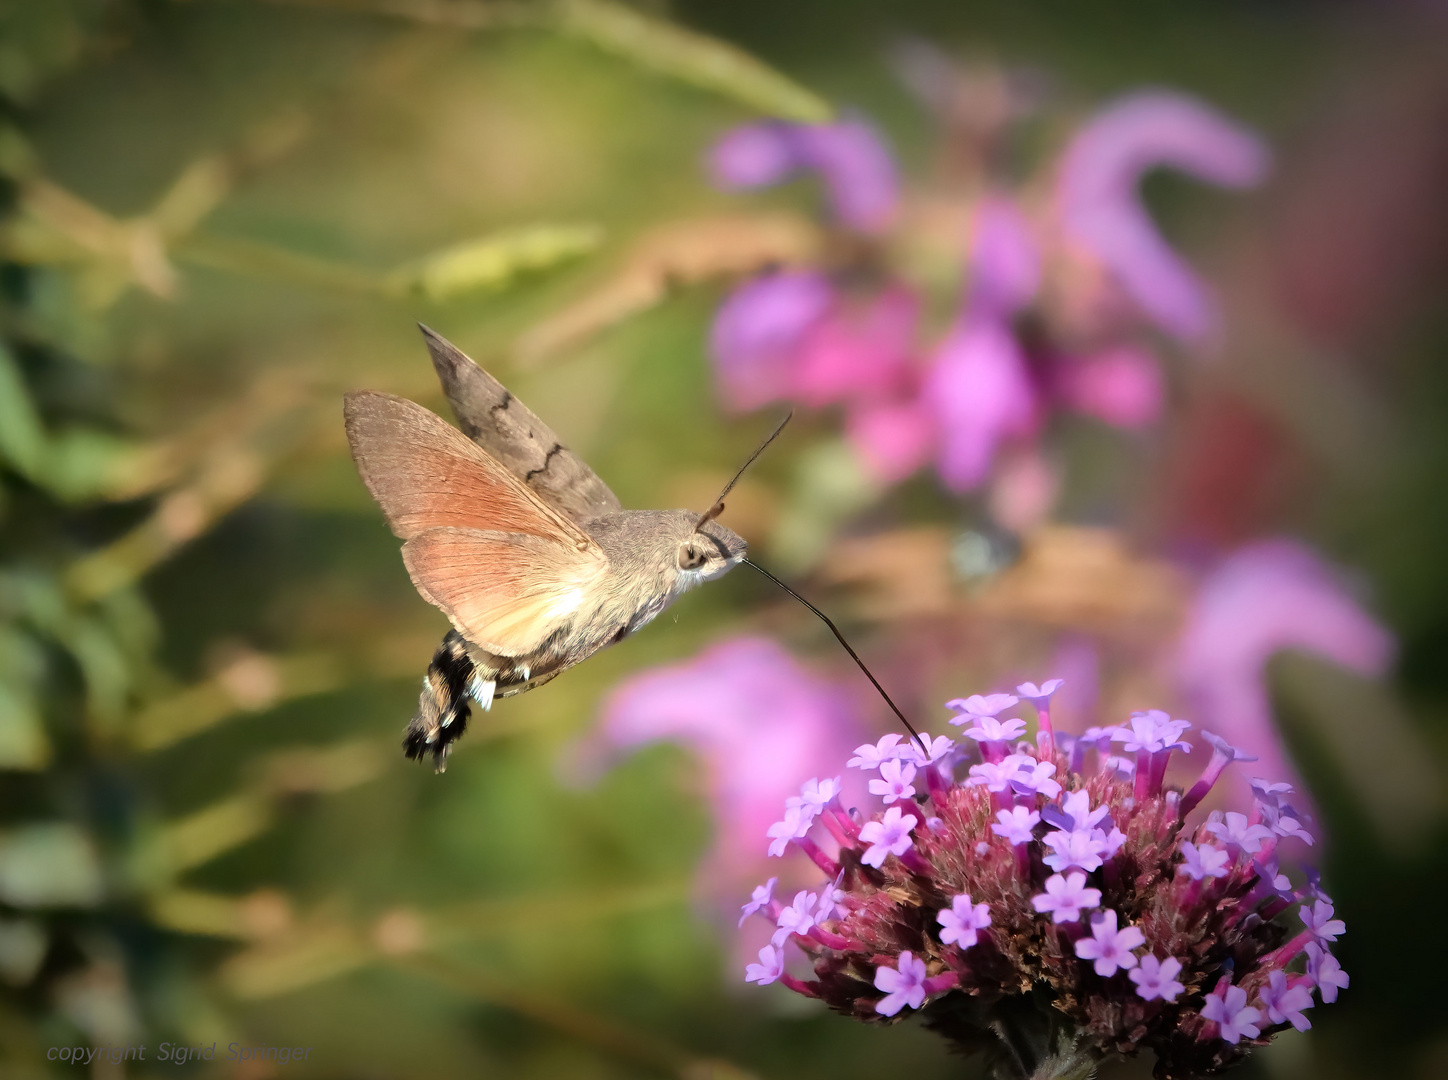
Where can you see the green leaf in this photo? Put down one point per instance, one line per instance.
(495, 262)
(692, 58)
(23, 744)
(49, 865)
(22, 438)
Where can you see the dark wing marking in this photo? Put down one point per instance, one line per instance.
(509, 431)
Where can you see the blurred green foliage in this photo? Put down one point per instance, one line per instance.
(219, 215)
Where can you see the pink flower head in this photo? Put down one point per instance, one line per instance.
(1108, 947)
(1319, 920)
(1101, 209)
(798, 918)
(979, 705)
(903, 985)
(962, 922)
(1203, 861)
(981, 392)
(1234, 831)
(1080, 847)
(757, 720)
(1032, 692)
(989, 729)
(1267, 597)
(1121, 385)
(872, 755)
(1157, 978)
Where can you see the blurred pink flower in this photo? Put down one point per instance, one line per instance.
(848, 155)
(1101, 209)
(758, 721)
(1268, 596)
(1121, 385)
(1005, 261)
(893, 438)
(980, 391)
(858, 352)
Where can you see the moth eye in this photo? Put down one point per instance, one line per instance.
(690, 557)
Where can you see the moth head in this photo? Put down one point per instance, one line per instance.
(708, 549)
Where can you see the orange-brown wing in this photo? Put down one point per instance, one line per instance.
(505, 592)
(425, 474)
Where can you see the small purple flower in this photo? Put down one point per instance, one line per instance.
(895, 780)
(1066, 897)
(815, 794)
(1079, 847)
(769, 968)
(1318, 919)
(1077, 807)
(904, 985)
(870, 756)
(995, 775)
(762, 897)
(978, 705)
(1203, 861)
(1102, 210)
(752, 155)
(1152, 731)
(796, 823)
(1157, 978)
(963, 921)
(1034, 777)
(798, 918)
(1234, 831)
(1016, 824)
(830, 897)
(1033, 692)
(888, 836)
(1233, 1016)
(1267, 792)
(1004, 260)
(1284, 824)
(1108, 947)
(937, 747)
(989, 729)
(1326, 972)
(1283, 1003)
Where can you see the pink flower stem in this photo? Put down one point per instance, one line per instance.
(823, 861)
(913, 862)
(1204, 783)
(834, 941)
(799, 986)
(1285, 955)
(936, 984)
(1045, 737)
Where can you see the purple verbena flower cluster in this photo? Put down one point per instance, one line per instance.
(1054, 897)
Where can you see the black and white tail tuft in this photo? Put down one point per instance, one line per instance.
(442, 707)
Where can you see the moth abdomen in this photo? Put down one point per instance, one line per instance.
(442, 707)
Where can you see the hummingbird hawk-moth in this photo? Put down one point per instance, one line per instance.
(532, 558)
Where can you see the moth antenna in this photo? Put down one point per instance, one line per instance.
(718, 507)
(841, 639)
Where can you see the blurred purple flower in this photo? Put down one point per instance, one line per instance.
(1121, 385)
(1102, 211)
(981, 392)
(758, 332)
(849, 156)
(756, 718)
(1268, 596)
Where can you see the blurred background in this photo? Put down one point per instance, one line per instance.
(1117, 339)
